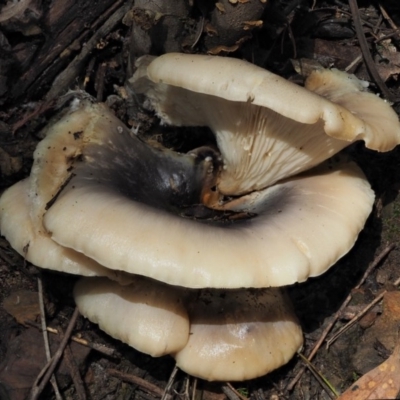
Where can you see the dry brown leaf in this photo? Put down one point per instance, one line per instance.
(23, 306)
(380, 383)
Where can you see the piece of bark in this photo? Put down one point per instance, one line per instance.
(66, 25)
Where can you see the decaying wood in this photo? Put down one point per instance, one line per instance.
(64, 26)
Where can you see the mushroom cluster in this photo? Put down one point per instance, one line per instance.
(275, 210)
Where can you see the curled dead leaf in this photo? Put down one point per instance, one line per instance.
(380, 383)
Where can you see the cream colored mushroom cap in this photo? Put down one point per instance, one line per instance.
(239, 335)
(145, 314)
(35, 245)
(240, 81)
(266, 127)
(302, 227)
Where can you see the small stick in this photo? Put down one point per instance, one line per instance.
(53, 380)
(328, 328)
(230, 394)
(359, 315)
(101, 348)
(199, 32)
(329, 389)
(171, 381)
(374, 264)
(194, 388)
(99, 81)
(149, 387)
(186, 389)
(369, 62)
(388, 19)
(238, 394)
(353, 63)
(50, 367)
(74, 372)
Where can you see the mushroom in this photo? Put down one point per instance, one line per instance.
(271, 248)
(237, 335)
(213, 334)
(37, 247)
(266, 127)
(98, 190)
(109, 199)
(147, 315)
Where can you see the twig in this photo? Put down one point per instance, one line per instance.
(149, 387)
(329, 389)
(230, 394)
(40, 108)
(50, 367)
(377, 25)
(374, 264)
(185, 395)
(359, 315)
(236, 392)
(99, 81)
(388, 36)
(369, 62)
(74, 372)
(199, 32)
(388, 19)
(53, 380)
(101, 348)
(353, 63)
(170, 382)
(194, 388)
(328, 328)
(65, 78)
(292, 40)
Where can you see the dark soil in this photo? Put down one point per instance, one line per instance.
(48, 47)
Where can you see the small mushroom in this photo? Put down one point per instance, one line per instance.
(266, 127)
(145, 314)
(213, 334)
(239, 334)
